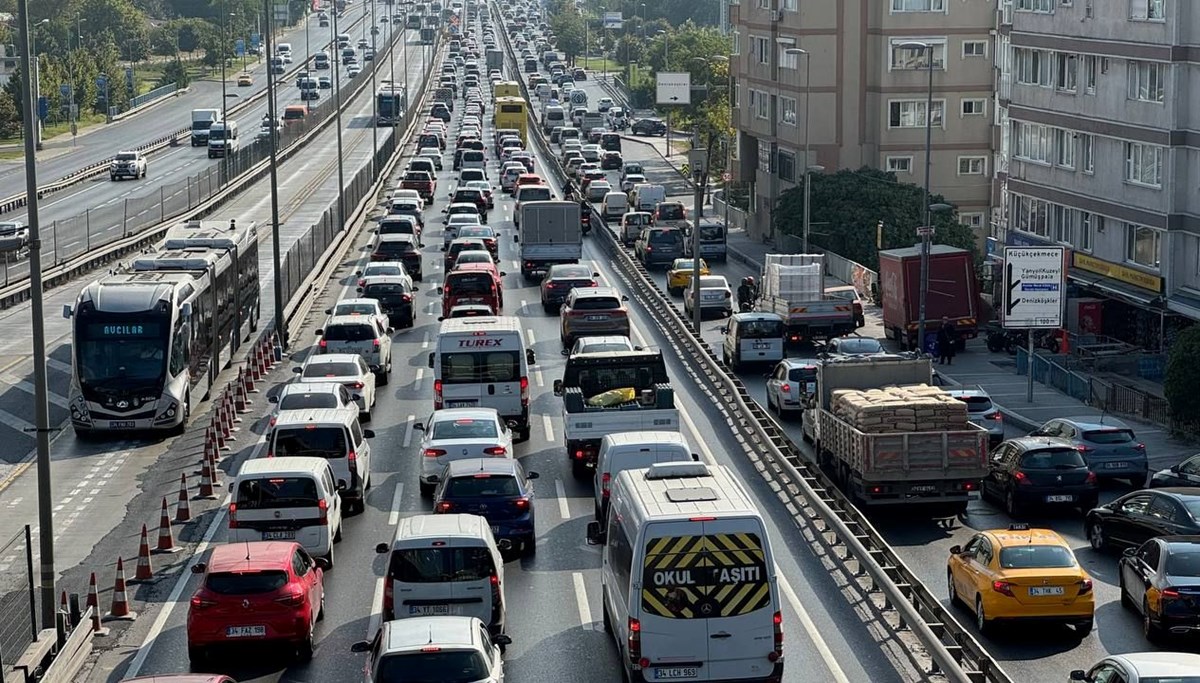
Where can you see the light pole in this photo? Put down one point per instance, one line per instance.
(276, 261)
(337, 96)
(374, 90)
(728, 60)
(73, 107)
(666, 67)
(40, 391)
(224, 95)
(927, 228)
(35, 65)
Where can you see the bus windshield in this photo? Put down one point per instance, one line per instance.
(121, 353)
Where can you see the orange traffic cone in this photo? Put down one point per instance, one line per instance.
(120, 603)
(219, 434)
(183, 509)
(166, 541)
(93, 603)
(143, 572)
(249, 377)
(229, 402)
(239, 393)
(206, 482)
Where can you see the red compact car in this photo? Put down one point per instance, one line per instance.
(267, 591)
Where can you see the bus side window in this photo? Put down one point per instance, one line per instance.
(178, 350)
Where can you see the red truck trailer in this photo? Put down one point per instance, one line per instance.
(953, 292)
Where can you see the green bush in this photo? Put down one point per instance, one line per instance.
(1183, 377)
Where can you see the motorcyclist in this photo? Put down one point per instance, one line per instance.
(569, 191)
(585, 215)
(747, 292)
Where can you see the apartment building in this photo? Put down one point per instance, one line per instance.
(867, 96)
(1098, 149)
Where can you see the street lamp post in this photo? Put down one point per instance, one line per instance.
(73, 106)
(337, 96)
(276, 261)
(35, 73)
(374, 97)
(667, 67)
(809, 167)
(927, 232)
(224, 96)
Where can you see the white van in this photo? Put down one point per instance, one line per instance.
(483, 363)
(615, 205)
(223, 139)
(647, 196)
(334, 435)
(688, 580)
(554, 115)
(444, 565)
(753, 337)
(631, 451)
(284, 50)
(286, 499)
(321, 60)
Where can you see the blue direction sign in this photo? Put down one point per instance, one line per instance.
(255, 39)
(43, 107)
(64, 89)
(239, 48)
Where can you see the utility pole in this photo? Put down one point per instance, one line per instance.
(40, 391)
(337, 95)
(697, 157)
(374, 90)
(276, 260)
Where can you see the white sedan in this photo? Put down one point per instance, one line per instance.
(715, 295)
(305, 395)
(364, 307)
(459, 433)
(347, 369)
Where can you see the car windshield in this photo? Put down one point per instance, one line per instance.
(807, 374)
(666, 237)
(761, 329)
(314, 400)
(435, 666)
(321, 442)
(559, 272)
(670, 212)
(1109, 437)
(245, 583)
(1052, 459)
(383, 270)
(596, 303)
(348, 333)
(383, 288)
(482, 366)
(459, 284)
(1036, 557)
(712, 232)
(482, 486)
(277, 492)
(472, 256)
(441, 564)
(127, 156)
(534, 194)
(466, 428)
(330, 370)
(355, 309)
(481, 231)
(859, 346)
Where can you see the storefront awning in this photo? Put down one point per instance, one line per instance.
(1185, 303)
(1115, 288)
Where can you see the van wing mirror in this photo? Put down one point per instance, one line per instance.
(381, 548)
(368, 433)
(365, 646)
(595, 535)
(431, 359)
(297, 370)
(67, 312)
(199, 568)
(322, 563)
(558, 387)
(530, 357)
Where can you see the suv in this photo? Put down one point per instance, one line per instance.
(593, 311)
(982, 412)
(648, 126)
(127, 165)
(14, 236)
(365, 337)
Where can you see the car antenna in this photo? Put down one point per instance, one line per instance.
(247, 551)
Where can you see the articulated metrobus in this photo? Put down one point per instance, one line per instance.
(149, 340)
(512, 113)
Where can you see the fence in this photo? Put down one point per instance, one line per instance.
(1053, 372)
(18, 603)
(145, 98)
(735, 218)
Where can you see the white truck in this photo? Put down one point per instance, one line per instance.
(638, 376)
(202, 121)
(793, 286)
(550, 233)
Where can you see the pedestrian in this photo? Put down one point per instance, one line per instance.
(947, 337)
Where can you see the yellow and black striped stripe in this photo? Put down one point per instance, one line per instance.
(705, 576)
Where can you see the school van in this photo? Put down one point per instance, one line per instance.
(286, 499)
(482, 362)
(444, 565)
(647, 196)
(630, 451)
(687, 576)
(335, 435)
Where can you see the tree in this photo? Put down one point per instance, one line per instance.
(175, 72)
(189, 35)
(1183, 376)
(848, 206)
(568, 28)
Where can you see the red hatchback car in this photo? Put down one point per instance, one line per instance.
(251, 593)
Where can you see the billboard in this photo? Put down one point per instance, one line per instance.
(613, 20)
(673, 88)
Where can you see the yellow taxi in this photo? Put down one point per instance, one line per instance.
(1018, 574)
(679, 276)
(245, 79)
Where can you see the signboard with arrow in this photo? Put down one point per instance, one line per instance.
(674, 88)
(1033, 287)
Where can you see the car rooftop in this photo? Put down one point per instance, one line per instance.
(471, 466)
(255, 555)
(1162, 664)
(451, 414)
(1096, 422)
(418, 632)
(1011, 537)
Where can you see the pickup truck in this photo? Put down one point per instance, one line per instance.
(422, 181)
(588, 376)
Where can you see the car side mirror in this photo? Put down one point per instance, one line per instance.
(532, 475)
(320, 332)
(1078, 675)
(419, 426)
(359, 290)
(624, 297)
(516, 238)
(199, 568)
(501, 639)
(1175, 469)
(67, 312)
(595, 535)
(365, 646)
(358, 273)
(431, 356)
(272, 399)
(322, 563)
(1129, 552)
(594, 274)
(340, 485)
(391, 330)
(297, 370)
(956, 550)
(530, 357)
(230, 487)
(558, 387)
(382, 548)
(368, 433)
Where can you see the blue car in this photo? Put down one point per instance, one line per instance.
(497, 489)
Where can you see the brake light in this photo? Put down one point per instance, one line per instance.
(233, 523)
(635, 640)
(323, 508)
(200, 602)
(495, 450)
(997, 416)
(1003, 587)
(375, 342)
(362, 283)
(437, 394)
(579, 455)
(407, 298)
(1022, 478)
(605, 480)
(1167, 593)
(1084, 449)
(352, 458)
(444, 506)
(777, 620)
(434, 452)
(524, 391)
(522, 504)
(969, 486)
(1091, 479)
(1085, 586)
(1140, 446)
(274, 419)
(649, 248)
(357, 385)
(291, 599)
(322, 344)
(387, 595)
(785, 388)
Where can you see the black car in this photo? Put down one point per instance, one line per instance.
(1038, 471)
(650, 126)
(1161, 581)
(611, 161)
(440, 111)
(1137, 517)
(395, 297)
(400, 247)
(1186, 473)
(560, 279)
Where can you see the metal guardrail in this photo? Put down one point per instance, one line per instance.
(806, 492)
(90, 171)
(161, 91)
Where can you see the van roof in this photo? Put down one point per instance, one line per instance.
(288, 465)
(491, 324)
(717, 492)
(425, 527)
(316, 416)
(646, 437)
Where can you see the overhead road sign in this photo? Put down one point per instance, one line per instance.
(673, 88)
(613, 21)
(1033, 287)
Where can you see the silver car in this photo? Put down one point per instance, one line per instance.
(788, 384)
(1108, 444)
(982, 412)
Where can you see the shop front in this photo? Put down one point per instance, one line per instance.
(1117, 301)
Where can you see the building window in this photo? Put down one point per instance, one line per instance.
(764, 156)
(787, 110)
(787, 61)
(1033, 142)
(972, 220)
(899, 164)
(908, 58)
(974, 48)
(1064, 148)
(972, 165)
(1146, 81)
(1032, 67)
(1148, 10)
(791, 5)
(1087, 153)
(1065, 72)
(764, 4)
(1089, 74)
(762, 50)
(1143, 164)
(1045, 6)
(737, 42)
(1039, 217)
(975, 106)
(786, 166)
(760, 102)
(1141, 245)
(1086, 222)
(918, 5)
(911, 113)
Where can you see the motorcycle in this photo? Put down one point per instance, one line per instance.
(1011, 340)
(745, 306)
(585, 222)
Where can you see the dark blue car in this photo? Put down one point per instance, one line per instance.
(497, 489)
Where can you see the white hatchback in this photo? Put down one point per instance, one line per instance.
(347, 369)
(459, 433)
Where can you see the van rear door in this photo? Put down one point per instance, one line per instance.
(279, 508)
(445, 577)
(740, 586)
(674, 633)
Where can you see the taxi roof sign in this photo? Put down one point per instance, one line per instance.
(1018, 526)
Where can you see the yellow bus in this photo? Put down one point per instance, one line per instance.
(512, 112)
(506, 89)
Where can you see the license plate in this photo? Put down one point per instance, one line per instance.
(596, 318)
(1042, 591)
(245, 631)
(279, 535)
(923, 488)
(429, 610)
(675, 673)
(120, 424)
(495, 530)
(1115, 465)
(1059, 499)
(461, 404)
(762, 345)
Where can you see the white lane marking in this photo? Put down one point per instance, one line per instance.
(563, 508)
(374, 622)
(408, 432)
(806, 622)
(530, 339)
(425, 341)
(549, 427)
(418, 377)
(537, 376)
(394, 514)
(585, 612)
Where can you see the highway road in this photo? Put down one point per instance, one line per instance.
(554, 597)
(1028, 653)
(97, 480)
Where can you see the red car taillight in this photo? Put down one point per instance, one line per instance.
(1092, 479)
(495, 450)
(1085, 586)
(1003, 587)
(635, 641)
(323, 509)
(200, 602)
(522, 504)
(785, 388)
(444, 506)
(434, 452)
(1022, 479)
(352, 459)
(1084, 449)
(376, 343)
(524, 392)
(778, 651)
(233, 523)
(387, 595)
(605, 480)
(437, 394)
(407, 298)
(322, 344)
(356, 385)
(291, 599)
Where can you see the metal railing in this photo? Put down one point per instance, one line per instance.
(18, 600)
(161, 91)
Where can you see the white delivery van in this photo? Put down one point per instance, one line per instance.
(552, 116)
(284, 50)
(687, 577)
(615, 205)
(647, 196)
(334, 435)
(631, 451)
(483, 363)
(753, 337)
(444, 565)
(223, 139)
(286, 499)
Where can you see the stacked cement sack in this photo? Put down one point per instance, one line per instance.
(794, 277)
(912, 408)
